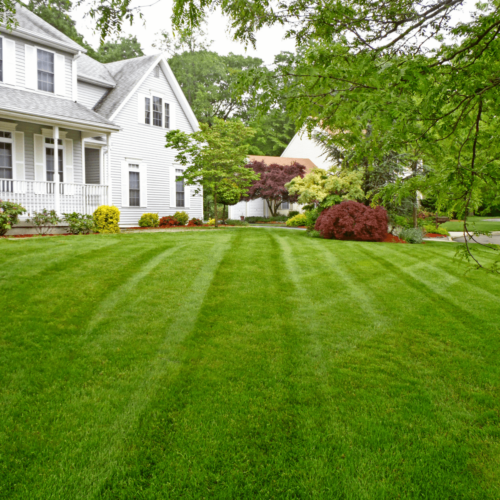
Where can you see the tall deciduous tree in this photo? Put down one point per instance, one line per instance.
(214, 156)
(271, 184)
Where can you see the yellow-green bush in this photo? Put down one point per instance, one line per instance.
(298, 220)
(211, 222)
(106, 219)
(149, 220)
(181, 217)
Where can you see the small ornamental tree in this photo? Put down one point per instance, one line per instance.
(271, 185)
(213, 156)
(327, 187)
(351, 220)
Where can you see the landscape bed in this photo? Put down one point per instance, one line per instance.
(160, 366)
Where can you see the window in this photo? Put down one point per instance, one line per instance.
(285, 205)
(147, 118)
(157, 111)
(50, 161)
(134, 189)
(5, 155)
(156, 72)
(179, 189)
(167, 115)
(45, 61)
(1, 59)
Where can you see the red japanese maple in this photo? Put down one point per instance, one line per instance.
(351, 220)
(271, 185)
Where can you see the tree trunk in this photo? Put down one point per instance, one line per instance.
(215, 208)
(415, 212)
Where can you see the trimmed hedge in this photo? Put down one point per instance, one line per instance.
(351, 220)
(106, 219)
(149, 220)
(298, 220)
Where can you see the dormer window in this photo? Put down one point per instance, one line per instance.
(45, 65)
(1, 59)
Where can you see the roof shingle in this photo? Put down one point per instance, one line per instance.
(32, 103)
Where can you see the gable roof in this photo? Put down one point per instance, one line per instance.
(126, 74)
(31, 26)
(45, 106)
(93, 71)
(280, 160)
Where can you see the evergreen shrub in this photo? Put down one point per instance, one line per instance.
(298, 220)
(182, 218)
(106, 219)
(169, 221)
(149, 220)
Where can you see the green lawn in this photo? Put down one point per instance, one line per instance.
(244, 364)
(475, 223)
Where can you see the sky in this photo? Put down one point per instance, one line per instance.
(270, 41)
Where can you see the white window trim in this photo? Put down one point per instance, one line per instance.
(62, 147)
(150, 96)
(45, 92)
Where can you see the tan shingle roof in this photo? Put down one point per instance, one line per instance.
(280, 160)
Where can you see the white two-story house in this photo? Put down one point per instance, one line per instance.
(76, 134)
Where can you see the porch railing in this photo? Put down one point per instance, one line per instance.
(34, 196)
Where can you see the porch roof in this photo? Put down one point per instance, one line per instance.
(43, 107)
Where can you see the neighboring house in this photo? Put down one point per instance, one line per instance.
(303, 146)
(107, 123)
(259, 207)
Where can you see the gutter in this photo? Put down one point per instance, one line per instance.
(100, 83)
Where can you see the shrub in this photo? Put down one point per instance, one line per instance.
(298, 220)
(211, 222)
(80, 223)
(149, 220)
(431, 228)
(311, 218)
(234, 222)
(314, 234)
(411, 235)
(195, 222)
(293, 213)
(44, 221)
(182, 218)
(106, 219)
(351, 220)
(9, 215)
(168, 221)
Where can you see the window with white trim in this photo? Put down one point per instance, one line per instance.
(50, 159)
(285, 205)
(45, 67)
(157, 111)
(167, 115)
(179, 188)
(134, 183)
(1, 59)
(6, 155)
(156, 72)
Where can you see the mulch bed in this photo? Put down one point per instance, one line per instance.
(434, 235)
(390, 238)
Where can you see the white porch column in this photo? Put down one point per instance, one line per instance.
(108, 170)
(57, 195)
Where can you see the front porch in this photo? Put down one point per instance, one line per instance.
(62, 197)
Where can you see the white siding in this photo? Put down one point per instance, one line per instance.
(301, 146)
(146, 143)
(89, 95)
(21, 67)
(29, 130)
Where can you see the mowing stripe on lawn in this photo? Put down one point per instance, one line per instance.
(108, 458)
(120, 294)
